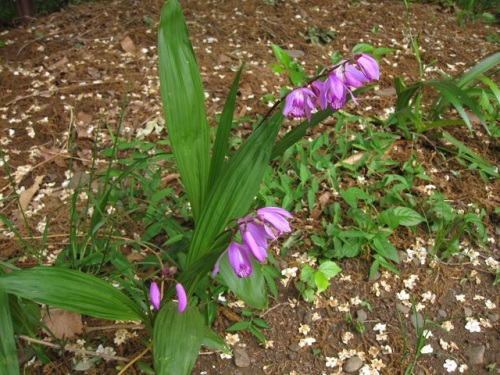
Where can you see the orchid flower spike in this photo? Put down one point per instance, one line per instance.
(155, 295)
(276, 218)
(255, 236)
(239, 259)
(333, 93)
(181, 297)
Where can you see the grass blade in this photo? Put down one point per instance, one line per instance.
(8, 352)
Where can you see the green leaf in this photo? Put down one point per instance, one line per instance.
(307, 275)
(281, 55)
(252, 289)
(407, 216)
(239, 326)
(221, 144)
(213, 341)
(177, 339)
(259, 322)
(236, 187)
(330, 269)
(183, 104)
(321, 281)
(8, 352)
(384, 248)
(73, 291)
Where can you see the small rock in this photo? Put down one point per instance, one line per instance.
(377, 275)
(294, 348)
(353, 364)
(494, 317)
(476, 354)
(442, 313)
(241, 358)
(417, 320)
(467, 311)
(403, 256)
(402, 308)
(361, 315)
(292, 356)
(307, 317)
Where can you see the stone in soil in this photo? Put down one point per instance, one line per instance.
(361, 315)
(417, 321)
(476, 354)
(352, 364)
(402, 308)
(241, 358)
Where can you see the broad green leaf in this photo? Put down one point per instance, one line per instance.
(321, 281)
(407, 216)
(281, 55)
(251, 290)
(183, 104)
(213, 341)
(384, 248)
(221, 144)
(352, 195)
(307, 275)
(236, 187)
(479, 69)
(177, 339)
(73, 291)
(8, 351)
(330, 269)
(239, 326)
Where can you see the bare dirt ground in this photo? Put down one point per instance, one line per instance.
(75, 69)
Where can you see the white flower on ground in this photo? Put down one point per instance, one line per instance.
(307, 341)
(331, 362)
(429, 296)
(427, 333)
(232, 339)
(491, 263)
(289, 272)
(380, 327)
(225, 356)
(462, 368)
(403, 295)
(377, 364)
(373, 351)
(346, 337)
(460, 297)
(450, 365)
(105, 351)
(490, 305)
(473, 325)
(427, 349)
(315, 317)
(411, 281)
(304, 329)
(448, 325)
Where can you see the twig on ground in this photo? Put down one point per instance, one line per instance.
(74, 350)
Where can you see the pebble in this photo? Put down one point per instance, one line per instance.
(377, 275)
(294, 348)
(403, 256)
(417, 320)
(442, 313)
(307, 317)
(353, 364)
(402, 308)
(494, 317)
(476, 354)
(241, 358)
(362, 315)
(467, 311)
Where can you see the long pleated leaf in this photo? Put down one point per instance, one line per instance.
(177, 339)
(71, 290)
(183, 104)
(235, 188)
(8, 352)
(251, 290)
(221, 144)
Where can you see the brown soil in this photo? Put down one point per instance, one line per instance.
(76, 68)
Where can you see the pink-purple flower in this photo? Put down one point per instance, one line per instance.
(299, 102)
(255, 231)
(368, 66)
(333, 93)
(155, 295)
(181, 297)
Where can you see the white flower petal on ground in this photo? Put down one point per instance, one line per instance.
(427, 349)
(331, 362)
(473, 325)
(307, 341)
(450, 365)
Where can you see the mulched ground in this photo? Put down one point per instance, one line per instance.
(76, 67)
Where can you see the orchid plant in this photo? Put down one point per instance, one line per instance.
(228, 243)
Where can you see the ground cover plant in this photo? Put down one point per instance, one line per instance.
(359, 190)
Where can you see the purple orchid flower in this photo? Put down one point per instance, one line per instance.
(181, 297)
(368, 66)
(275, 217)
(255, 236)
(298, 102)
(333, 93)
(155, 295)
(351, 76)
(239, 259)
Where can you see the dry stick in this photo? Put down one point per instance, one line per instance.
(141, 354)
(115, 326)
(74, 350)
